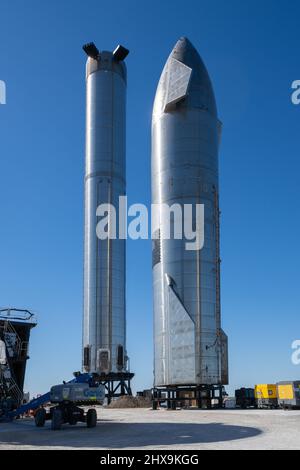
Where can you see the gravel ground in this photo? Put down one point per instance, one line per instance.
(163, 429)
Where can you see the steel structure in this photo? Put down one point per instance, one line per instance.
(104, 325)
(15, 327)
(190, 348)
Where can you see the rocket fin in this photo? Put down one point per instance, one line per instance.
(178, 80)
(182, 340)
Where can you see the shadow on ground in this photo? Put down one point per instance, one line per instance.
(115, 435)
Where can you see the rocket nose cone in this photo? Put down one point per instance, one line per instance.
(199, 92)
(185, 52)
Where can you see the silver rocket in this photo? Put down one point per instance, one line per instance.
(104, 329)
(190, 348)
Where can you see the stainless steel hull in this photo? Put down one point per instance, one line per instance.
(189, 345)
(104, 330)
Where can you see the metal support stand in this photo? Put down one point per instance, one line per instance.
(177, 396)
(116, 384)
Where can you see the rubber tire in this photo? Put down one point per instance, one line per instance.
(56, 421)
(40, 417)
(91, 418)
(72, 422)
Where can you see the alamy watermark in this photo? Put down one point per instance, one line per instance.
(295, 97)
(2, 92)
(296, 353)
(176, 221)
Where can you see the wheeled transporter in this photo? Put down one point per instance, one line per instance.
(68, 399)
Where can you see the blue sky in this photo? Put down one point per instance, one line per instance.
(251, 50)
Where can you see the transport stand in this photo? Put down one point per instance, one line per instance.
(178, 396)
(116, 384)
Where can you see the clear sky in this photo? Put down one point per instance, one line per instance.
(251, 50)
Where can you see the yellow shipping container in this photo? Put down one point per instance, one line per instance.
(265, 391)
(286, 392)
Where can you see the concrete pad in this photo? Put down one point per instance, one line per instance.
(163, 429)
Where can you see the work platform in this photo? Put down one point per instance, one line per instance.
(15, 327)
